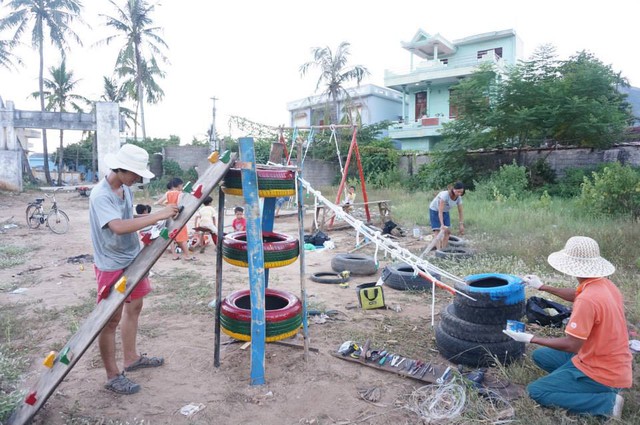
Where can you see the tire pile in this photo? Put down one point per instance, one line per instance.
(470, 332)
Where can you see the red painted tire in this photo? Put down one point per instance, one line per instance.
(279, 305)
(279, 249)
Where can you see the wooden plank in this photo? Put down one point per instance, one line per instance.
(429, 377)
(90, 329)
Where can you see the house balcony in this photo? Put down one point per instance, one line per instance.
(438, 72)
(423, 127)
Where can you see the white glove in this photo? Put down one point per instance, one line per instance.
(532, 281)
(519, 336)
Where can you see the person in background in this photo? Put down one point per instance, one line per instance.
(439, 212)
(115, 246)
(590, 364)
(349, 199)
(239, 223)
(173, 197)
(205, 218)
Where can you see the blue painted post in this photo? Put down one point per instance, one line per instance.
(255, 256)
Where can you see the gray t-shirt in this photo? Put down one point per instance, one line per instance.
(448, 203)
(111, 251)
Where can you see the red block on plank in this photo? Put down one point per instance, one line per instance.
(198, 191)
(31, 398)
(173, 233)
(104, 293)
(146, 238)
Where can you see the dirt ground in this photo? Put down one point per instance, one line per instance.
(322, 390)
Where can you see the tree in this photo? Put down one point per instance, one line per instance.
(334, 74)
(59, 97)
(40, 15)
(137, 56)
(112, 92)
(7, 59)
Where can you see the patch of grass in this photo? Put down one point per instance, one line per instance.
(12, 256)
(185, 292)
(75, 315)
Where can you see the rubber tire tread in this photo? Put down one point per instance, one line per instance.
(454, 253)
(293, 306)
(400, 276)
(469, 331)
(272, 329)
(489, 299)
(357, 264)
(322, 277)
(65, 218)
(456, 241)
(476, 354)
(489, 316)
(32, 224)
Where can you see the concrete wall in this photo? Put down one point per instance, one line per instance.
(321, 173)
(188, 156)
(558, 159)
(11, 170)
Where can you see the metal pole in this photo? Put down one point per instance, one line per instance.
(303, 287)
(218, 292)
(213, 142)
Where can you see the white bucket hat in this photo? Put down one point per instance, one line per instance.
(581, 258)
(131, 158)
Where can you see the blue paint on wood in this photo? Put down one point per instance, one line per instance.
(255, 256)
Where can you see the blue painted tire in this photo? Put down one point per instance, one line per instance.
(491, 290)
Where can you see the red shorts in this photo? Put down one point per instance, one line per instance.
(109, 278)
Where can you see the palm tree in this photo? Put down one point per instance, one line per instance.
(59, 97)
(334, 73)
(7, 59)
(141, 44)
(55, 16)
(150, 87)
(112, 92)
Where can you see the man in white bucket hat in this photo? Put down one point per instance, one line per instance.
(115, 245)
(592, 362)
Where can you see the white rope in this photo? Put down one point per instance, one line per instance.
(434, 403)
(335, 139)
(392, 248)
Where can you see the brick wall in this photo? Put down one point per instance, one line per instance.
(558, 159)
(317, 172)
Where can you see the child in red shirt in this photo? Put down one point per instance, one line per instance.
(239, 223)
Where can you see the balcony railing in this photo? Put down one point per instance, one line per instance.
(469, 61)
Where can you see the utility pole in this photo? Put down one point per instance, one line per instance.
(213, 142)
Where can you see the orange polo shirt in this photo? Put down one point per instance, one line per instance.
(598, 319)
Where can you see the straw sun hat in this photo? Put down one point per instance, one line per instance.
(131, 158)
(581, 258)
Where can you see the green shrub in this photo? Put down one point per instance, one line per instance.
(444, 168)
(570, 185)
(541, 174)
(509, 182)
(613, 191)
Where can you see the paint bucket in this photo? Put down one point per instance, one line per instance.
(514, 325)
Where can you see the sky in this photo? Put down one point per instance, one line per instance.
(248, 53)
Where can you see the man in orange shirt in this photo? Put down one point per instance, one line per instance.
(592, 362)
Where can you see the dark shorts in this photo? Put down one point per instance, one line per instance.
(109, 278)
(435, 220)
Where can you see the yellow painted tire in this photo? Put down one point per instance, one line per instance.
(243, 337)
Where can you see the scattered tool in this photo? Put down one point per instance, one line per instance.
(444, 376)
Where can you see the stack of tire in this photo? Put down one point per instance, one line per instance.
(401, 276)
(470, 332)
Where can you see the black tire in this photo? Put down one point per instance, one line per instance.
(488, 316)
(454, 253)
(477, 354)
(328, 277)
(468, 331)
(357, 264)
(58, 222)
(491, 290)
(456, 241)
(400, 276)
(32, 221)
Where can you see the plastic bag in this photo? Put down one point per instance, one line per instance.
(546, 312)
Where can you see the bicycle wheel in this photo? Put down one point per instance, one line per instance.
(58, 221)
(33, 218)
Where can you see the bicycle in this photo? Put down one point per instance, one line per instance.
(56, 219)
